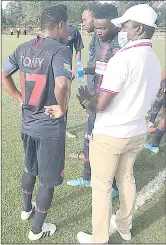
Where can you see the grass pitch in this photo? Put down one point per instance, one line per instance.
(71, 207)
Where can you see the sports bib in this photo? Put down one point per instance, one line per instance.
(100, 67)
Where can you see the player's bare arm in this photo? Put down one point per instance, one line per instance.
(9, 86)
(77, 56)
(62, 93)
(78, 45)
(62, 78)
(101, 101)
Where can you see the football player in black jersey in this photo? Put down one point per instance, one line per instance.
(44, 64)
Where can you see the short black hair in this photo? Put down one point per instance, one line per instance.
(106, 11)
(52, 16)
(62, 6)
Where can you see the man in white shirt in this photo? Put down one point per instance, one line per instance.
(129, 86)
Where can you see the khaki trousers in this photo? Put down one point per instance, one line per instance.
(111, 157)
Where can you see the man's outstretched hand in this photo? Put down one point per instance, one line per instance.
(84, 96)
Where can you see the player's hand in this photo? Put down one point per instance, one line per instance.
(73, 74)
(89, 70)
(54, 111)
(84, 96)
(84, 92)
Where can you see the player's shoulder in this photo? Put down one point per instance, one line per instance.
(115, 45)
(96, 40)
(94, 36)
(65, 49)
(52, 45)
(115, 42)
(60, 49)
(118, 57)
(55, 48)
(26, 44)
(73, 29)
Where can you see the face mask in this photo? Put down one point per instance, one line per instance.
(122, 38)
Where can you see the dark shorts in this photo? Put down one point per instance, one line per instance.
(11, 33)
(45, 158)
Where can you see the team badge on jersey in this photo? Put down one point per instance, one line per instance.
(67, 67)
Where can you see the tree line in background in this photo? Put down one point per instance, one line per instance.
(27, 13)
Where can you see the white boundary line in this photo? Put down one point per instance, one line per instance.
(148, 191)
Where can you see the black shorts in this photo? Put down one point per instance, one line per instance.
(45, 158)
(11, 33)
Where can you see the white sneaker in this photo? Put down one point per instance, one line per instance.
(25, 215)
(125, 236)
(83, 237)
(47, 230)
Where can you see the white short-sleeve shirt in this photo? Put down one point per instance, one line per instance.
(134, 73)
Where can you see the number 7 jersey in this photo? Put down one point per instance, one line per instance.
(40, 61)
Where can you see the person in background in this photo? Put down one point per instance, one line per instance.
(74, 42)
(159, 132)
(88, 24)
(45, 73)
(25, 31)
(11, 32)
(157, 104)
(18, 32)
(103, 46)
(129, 86)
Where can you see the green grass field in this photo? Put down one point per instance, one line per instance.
(71, 207)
